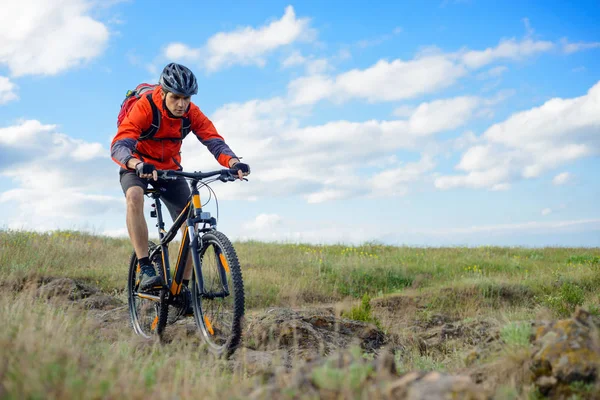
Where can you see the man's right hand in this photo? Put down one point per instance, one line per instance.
(146, 170)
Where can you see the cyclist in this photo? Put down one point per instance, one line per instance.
(139, 159)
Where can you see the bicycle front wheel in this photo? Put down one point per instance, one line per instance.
(219, 303)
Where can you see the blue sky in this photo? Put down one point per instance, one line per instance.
(427, 123)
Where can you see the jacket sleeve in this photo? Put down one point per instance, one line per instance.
(206, 132)
(123, 144)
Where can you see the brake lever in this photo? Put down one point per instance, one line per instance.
(229, 178)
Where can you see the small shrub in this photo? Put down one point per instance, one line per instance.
(362, 312)
(516, 334)
(584, 259)
(373, 280)
(569, 296)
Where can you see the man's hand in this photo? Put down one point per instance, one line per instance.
(242, 169)
(146, 170)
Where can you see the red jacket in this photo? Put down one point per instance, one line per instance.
(164, 154)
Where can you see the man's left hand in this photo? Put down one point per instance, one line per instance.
(242, 169)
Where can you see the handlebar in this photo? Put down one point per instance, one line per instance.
(225, 175)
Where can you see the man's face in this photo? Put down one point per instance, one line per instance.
(177, 104)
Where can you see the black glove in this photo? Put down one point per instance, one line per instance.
(245, 168)
(144, 168)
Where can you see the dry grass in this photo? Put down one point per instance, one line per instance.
(51, 351)
(54, 352)
(282, 274)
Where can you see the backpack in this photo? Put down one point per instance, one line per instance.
(132, 96)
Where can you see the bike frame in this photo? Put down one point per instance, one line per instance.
(192, 215)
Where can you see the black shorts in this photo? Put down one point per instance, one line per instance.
(175, 195)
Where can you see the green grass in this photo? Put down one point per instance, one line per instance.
(516, 334)
(291, 274)
(56, 352)
(362, 312)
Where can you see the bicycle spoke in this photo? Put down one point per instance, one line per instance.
(220, 313)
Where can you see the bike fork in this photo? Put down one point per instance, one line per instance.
(195, 256)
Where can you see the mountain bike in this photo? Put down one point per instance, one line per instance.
(217, 288)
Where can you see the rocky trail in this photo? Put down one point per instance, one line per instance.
(314, 352)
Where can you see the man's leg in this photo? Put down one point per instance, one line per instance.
(136, 223)
(133, 187)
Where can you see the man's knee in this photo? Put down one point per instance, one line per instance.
(135, 198)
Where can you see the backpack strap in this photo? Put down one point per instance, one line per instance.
(148, 134)
(155, 125)
(186, 127)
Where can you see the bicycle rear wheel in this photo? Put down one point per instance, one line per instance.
(219, 308)
(148, 310)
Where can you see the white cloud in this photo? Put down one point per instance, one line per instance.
(326, 195)
(25, 134)
(531, 142)
(292, 230)
(561, 178)
(467, 139)
(296, 58)
(31, 137)
(447, 114)
(431, 70)
(314, 66)
(348, 232)
(268, 134)
(180, 51)
(403, 111)
(310, 89)
(493, 178)
(532, 226)
(442, 115)
(7, 90)
(570, 48)
(318, 66)
(378, 40)
(397, 80)
(55, 176)
(394, 181)
(510, 49)
(117, 233)
(494, 72)
(45, 37)
(546, 211)
(244, 46)
(263, 222)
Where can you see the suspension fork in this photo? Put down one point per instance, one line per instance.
(157, 212)
(194, 237)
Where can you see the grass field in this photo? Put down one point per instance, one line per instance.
(57, 351)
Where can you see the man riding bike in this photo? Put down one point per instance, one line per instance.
(140, 156)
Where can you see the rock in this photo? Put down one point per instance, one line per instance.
(66, 289)
(308, 335)
(545, 384)
(349, 375)
(101, 301)
(565, 352)
(436, 336)
(472, 356)
(435, 386)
